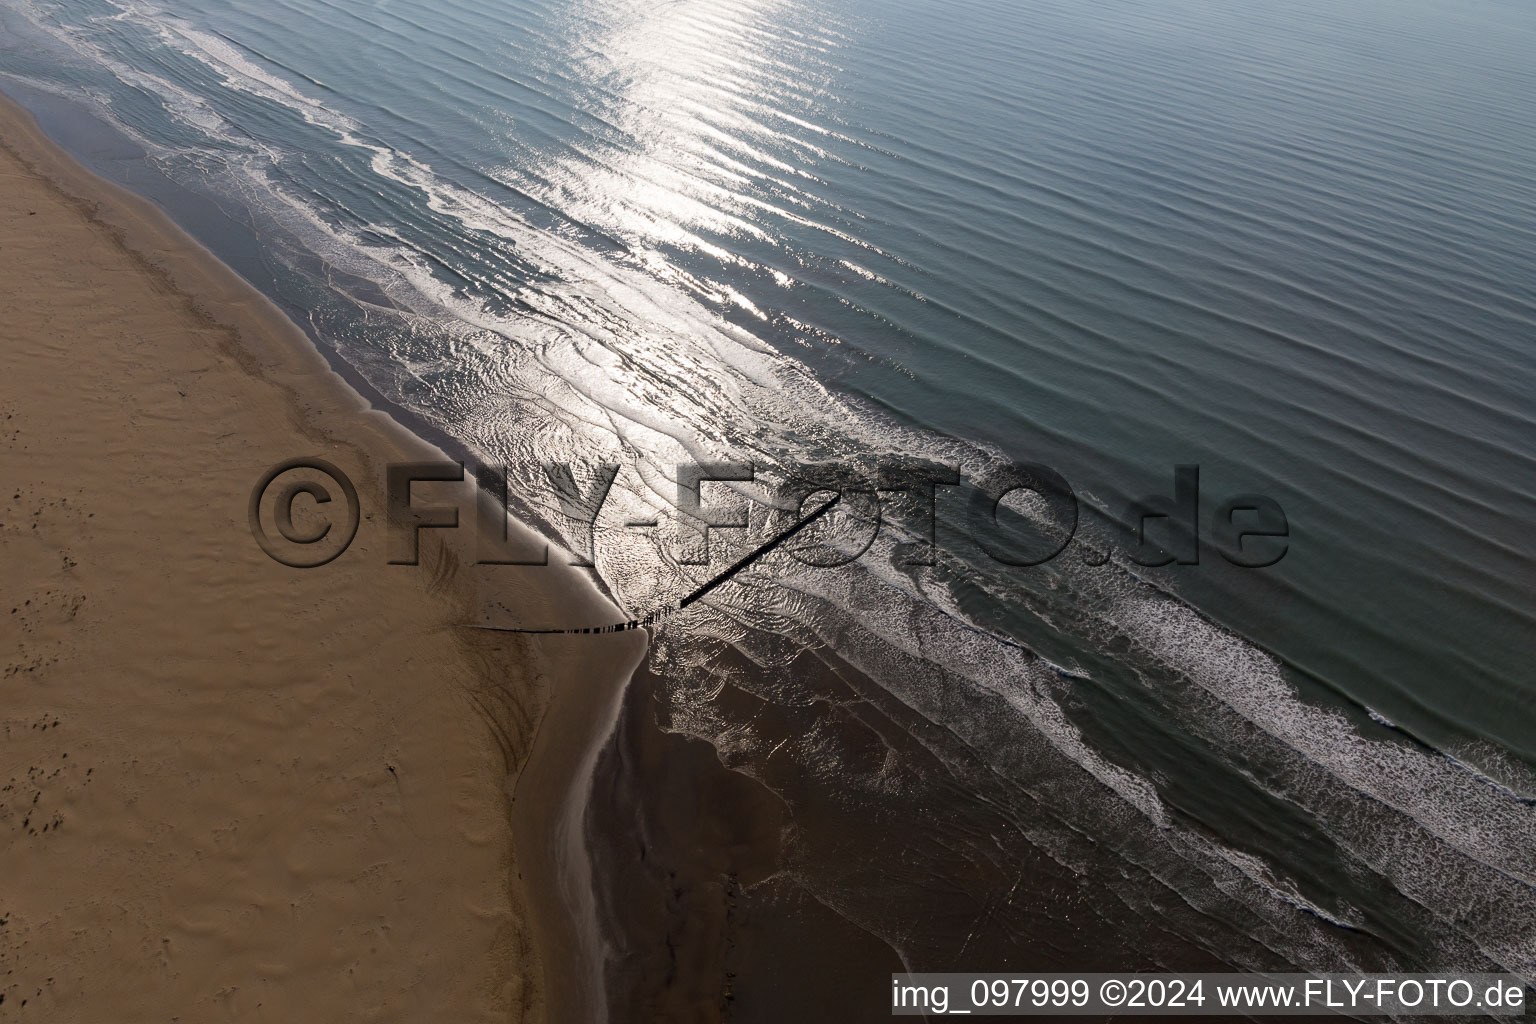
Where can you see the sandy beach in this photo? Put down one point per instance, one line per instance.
(230, 789)
(420, 593)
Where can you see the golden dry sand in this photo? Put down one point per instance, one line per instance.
(234, 790)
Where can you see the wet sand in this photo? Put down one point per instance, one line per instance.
(230, 789)
(745, 887)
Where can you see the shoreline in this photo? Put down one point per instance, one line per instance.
(547, 737)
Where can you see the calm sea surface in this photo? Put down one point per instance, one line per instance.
(1291, 243)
